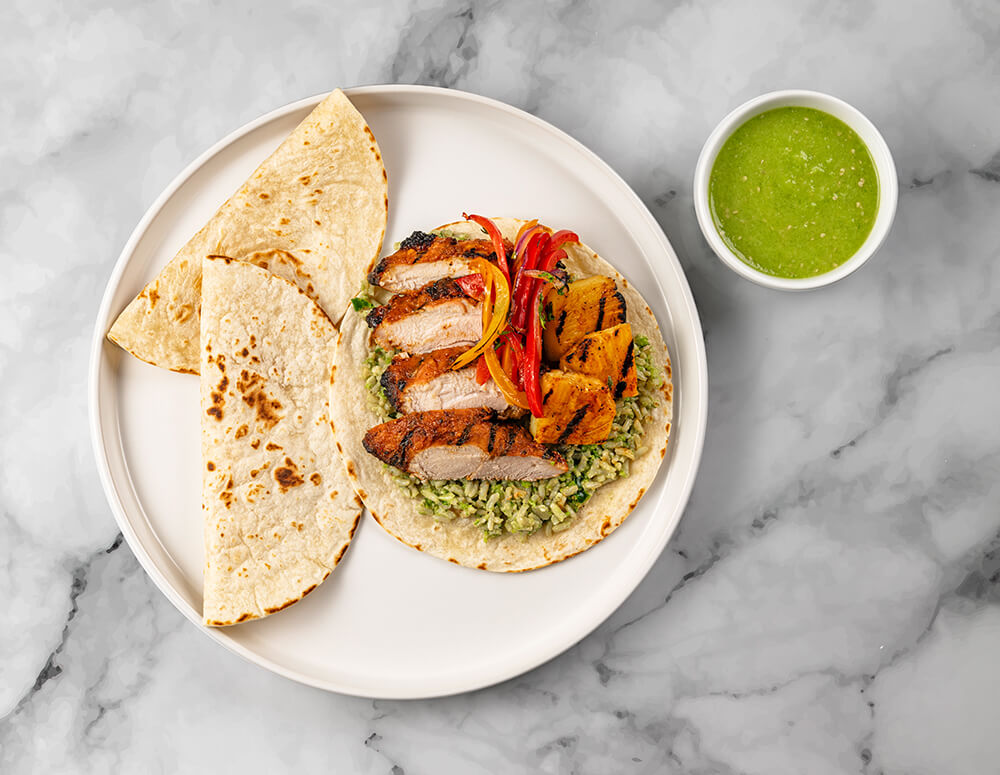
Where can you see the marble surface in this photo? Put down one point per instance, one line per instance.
(830, 603)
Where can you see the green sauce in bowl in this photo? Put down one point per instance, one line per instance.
(794, 192)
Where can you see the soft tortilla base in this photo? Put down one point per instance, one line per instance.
(313, 212)
(278, 508)
(460, 541)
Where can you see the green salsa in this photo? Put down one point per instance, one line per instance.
(794, 192)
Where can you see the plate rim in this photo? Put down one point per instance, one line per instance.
(98, 441)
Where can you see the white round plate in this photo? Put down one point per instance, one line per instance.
(392, 622)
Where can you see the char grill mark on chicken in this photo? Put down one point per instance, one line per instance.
(418, 383)
(462, 444)
(437, 316)
(423, 258)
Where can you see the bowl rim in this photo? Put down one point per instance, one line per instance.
(854, 118)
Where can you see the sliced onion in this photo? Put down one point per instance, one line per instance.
(522, 236)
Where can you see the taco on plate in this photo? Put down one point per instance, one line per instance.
(501, 395)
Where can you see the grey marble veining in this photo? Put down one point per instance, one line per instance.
(830, 603)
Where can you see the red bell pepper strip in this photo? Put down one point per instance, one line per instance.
(524, 263)
(553, 253)
(472, 285)
(533, 357)
(563, 236)
(537, 246)
(494, 233)
(548, 263)
(517, 360)
(482, 371)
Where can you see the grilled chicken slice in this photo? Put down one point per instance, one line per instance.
(607, 355)
(419, 383)
(439, 315)
(578, 409)
(462, 444)
(423, 258)
(586, 305)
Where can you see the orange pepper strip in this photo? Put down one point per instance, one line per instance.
(488, 301)
(495, 319)
(503, 381)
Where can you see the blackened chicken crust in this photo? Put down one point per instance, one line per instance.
(421, 247)
(396, 442)
(403, 304)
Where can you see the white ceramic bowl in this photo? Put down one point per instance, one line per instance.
(884, 165)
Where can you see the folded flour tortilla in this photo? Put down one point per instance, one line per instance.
(279, 510)
(460, 541)
(314, 213)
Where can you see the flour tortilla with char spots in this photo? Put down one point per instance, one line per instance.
(460, 541)
(279, 511)
(313, 212)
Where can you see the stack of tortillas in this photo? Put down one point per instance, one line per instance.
(249, 303)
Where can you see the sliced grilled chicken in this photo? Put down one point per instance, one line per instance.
(423, 258)
(439, 315)
(462, 444)
(578, 409)
(607, 355)
(587, 305)
(419, 383)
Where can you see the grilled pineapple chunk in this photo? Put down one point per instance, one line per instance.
(587, 305)
(578, 409)
(606, 355)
